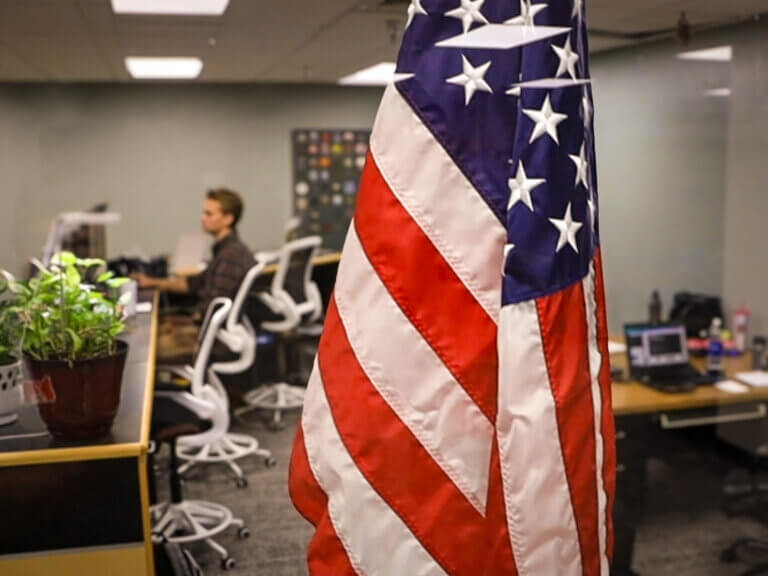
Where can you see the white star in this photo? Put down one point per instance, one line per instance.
(568, 229)
(568, 59)
(473, 79)
(581, 166)
(528, 13)
(507, 249)
(414, 8)
(587, 108)
(468, 12)
(515, 91)
(546, 121)
(521, 187)
(577, 7)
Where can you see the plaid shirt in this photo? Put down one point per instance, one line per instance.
(231, 261)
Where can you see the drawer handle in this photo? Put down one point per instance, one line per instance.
(668, 424)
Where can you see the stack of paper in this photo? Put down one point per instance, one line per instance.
(757, 379)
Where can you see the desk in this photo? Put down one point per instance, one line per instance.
(82, 508)
(635, 398)
(639, 409)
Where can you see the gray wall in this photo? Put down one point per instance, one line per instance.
(681, 175)
(151, 151)
(661, 147)
(745, 278)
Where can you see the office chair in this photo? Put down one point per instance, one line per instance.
(197, 418)
(238, 335)
(294, 301)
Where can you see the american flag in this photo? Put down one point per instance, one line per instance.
(458, 419)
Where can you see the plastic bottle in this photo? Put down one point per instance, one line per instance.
(716, 351)
(741, 328)
(654, 308)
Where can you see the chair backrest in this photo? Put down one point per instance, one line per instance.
(215, 317)
(294, 277)
(238, 333)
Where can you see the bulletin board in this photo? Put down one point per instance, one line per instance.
(327, 166)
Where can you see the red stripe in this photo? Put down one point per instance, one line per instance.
(608, 425)
(563, 321)
(394, 462)
(326, 555)
(306, 493)
(500, 560)
(425, 287)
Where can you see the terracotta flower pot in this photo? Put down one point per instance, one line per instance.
(10, 392)
(86, 394)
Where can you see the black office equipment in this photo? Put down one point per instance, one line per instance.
(658, 357)
(695, 312)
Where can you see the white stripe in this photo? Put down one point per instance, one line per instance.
(540, 514)
(375, 538)
(441, 200)
(595, 363)
(411, 377)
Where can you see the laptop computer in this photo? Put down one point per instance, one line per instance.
(658, 357)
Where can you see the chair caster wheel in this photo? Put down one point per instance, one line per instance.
(242, 483)
(270, 462)
(243, 533)
(228, 563)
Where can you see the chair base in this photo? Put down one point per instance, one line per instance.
(225, 450)
(275, 398)
(196, 521)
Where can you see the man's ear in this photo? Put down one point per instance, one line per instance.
(230, 220)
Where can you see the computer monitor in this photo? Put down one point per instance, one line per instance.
(652, 347)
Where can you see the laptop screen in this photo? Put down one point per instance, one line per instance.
(656, 346)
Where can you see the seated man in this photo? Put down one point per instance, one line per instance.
(231, 261)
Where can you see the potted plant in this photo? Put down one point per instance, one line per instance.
(10, 366)
(70, 347)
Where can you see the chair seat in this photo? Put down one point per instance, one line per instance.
(170, 421)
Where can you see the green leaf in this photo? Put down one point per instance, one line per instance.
(77, 343)
(91, 262)
(64, 259)
(117, 282)
(105, 276)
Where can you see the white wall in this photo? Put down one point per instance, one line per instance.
(151, 152)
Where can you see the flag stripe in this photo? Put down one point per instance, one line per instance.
(500, 561)
(540, 515)
(608, 424)
(307, 496)
(394, 462)
(433, 189)
(411, 377)
(427, 290)
(326, 553)
(563, 321)
(371, 533)
(595, 365)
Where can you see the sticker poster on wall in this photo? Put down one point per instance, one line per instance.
(327, 165)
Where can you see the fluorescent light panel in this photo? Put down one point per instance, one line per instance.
(163, 68)
(718, 92)
(378, 75)
(173, 7)
(717, 54)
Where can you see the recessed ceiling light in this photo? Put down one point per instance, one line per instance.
(719, 92)
(163, 68)
(175, 7)
(717, 54)
(378, 75)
